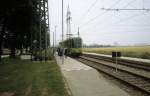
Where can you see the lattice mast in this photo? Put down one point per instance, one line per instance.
(44, 25)
(68, 20)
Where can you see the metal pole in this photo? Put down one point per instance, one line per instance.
(45, 29)
(62, 30)
(143, 5)
(48, 24)
(78, 38)
(40, 29)
(62, 20)
(55, 35)
(53, 42)
(116, 61)
(31, 47)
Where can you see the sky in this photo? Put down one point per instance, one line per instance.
(99, 26)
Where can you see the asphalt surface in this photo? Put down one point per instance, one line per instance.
(86, 81)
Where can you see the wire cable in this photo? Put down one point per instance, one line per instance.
(125, 19)
(99, 15)
(89, 9)
(129, 3)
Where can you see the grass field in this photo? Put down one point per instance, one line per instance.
(131, 51)
(26, 78)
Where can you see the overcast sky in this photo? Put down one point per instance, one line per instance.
(104, 27)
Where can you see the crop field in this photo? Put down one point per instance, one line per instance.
(128, 51)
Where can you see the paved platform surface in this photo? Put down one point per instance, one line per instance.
(86, 81)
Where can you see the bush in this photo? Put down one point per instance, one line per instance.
(145, 55)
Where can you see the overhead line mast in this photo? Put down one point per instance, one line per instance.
(68, 20)
(44, 25)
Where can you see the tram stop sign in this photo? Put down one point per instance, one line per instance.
(116, 54)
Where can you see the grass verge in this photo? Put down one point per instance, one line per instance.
(26, 78)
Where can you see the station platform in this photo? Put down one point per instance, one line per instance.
(86, 81)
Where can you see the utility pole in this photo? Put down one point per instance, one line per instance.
(62, 20)
(78, 38)
(40, 13)
(78, 32)
(55, 35)
(143, 5)
(53, 42)
(45, 29)
(48, 25)
(62, 30)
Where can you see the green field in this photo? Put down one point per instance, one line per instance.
(129, 51)
(26, 78)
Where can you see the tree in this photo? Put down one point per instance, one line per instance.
(17, 17)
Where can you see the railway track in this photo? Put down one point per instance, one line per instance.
(135, 64)
(127, 75)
